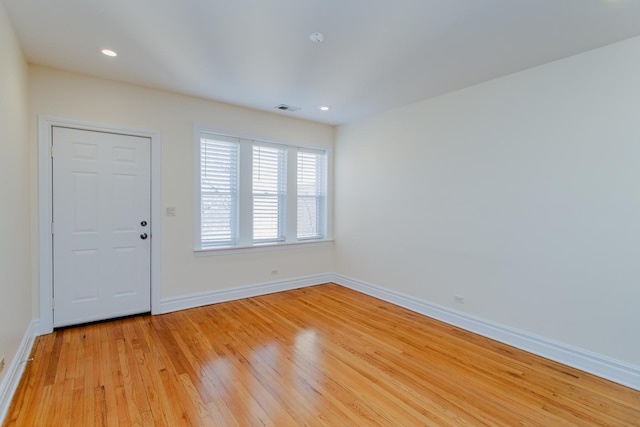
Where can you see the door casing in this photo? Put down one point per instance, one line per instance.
(45, 201)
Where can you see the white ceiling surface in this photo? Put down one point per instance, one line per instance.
(378, 54)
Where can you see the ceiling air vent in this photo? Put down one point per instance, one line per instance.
(285, 107)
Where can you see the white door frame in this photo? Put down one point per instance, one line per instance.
(45, 205)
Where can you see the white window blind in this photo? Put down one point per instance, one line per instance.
(311, 186)
(269, 193)
(218, 190)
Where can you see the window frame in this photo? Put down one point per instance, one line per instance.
(245, 241)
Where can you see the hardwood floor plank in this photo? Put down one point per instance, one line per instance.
(318, 356)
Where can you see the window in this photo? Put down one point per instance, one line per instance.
(311, 193)
(218, 190)
(257, 193)
(269, 194)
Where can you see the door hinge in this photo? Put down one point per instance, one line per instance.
(51, 151)
(52, 227)
(53, 304)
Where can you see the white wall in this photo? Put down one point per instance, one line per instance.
(521, 194)
(15, 276)
(61, 94)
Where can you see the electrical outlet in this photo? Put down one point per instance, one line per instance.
(1, 364)
(458, 299)
(274, 272)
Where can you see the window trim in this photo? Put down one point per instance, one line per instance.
(246, 246)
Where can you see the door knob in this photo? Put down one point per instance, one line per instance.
(144, 236)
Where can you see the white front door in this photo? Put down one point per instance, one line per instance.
(101, 225)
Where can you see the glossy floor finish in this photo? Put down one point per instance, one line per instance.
(323, 355)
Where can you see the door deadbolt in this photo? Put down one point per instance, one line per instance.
(143, 223)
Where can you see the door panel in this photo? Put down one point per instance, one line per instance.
(101, 194)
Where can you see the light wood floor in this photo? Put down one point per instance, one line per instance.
(323, 355)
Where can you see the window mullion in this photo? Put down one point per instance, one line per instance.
(245, 220)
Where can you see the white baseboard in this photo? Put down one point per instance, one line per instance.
(16, 369)
(213, 297)
(602, 366)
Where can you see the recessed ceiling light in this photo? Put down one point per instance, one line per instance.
(109, 52)
(324, 107)
(317, 37)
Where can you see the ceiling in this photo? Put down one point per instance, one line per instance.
(377, 55)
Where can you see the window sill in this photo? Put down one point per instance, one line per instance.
(261, 248)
